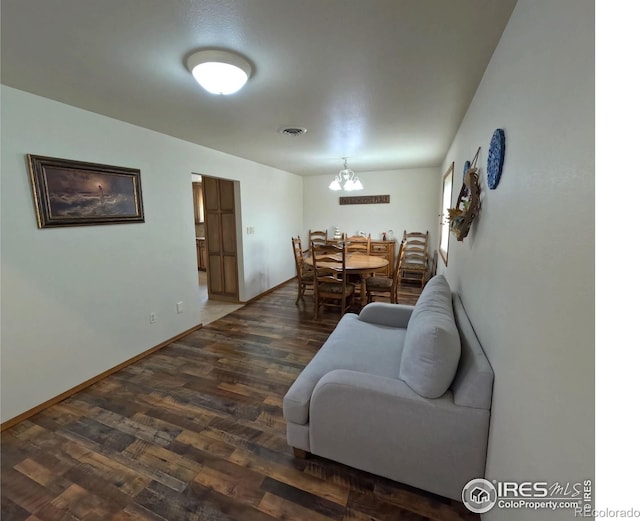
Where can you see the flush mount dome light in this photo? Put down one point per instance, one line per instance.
(219, 72)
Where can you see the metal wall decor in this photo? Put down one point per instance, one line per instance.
(468, 204)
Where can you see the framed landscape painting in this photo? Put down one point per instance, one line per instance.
(75, 193)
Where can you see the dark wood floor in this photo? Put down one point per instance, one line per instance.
(195, 432)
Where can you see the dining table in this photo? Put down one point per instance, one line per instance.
(358, 264)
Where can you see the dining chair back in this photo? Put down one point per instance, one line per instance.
(358, 244)
(330, 285)
(304, 272)
(319, 236)
(387, 287)
(415, 265)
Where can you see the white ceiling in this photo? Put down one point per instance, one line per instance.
(384, 82)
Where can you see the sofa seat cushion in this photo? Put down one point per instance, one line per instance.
(432, 343)
(354, 345)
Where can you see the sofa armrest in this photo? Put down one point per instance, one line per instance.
(380, 425)
(384, 314)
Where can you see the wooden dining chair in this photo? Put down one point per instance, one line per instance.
(320, 236)
(330, 286)
(381, 286)
(358, 244)
(415, 266)
(304, 272)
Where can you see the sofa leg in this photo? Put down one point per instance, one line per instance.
(300, 454)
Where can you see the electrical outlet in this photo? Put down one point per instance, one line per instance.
(179, 307)
(152, 318)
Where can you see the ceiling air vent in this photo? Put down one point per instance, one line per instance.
(292, 131)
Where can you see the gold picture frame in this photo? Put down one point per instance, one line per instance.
(77, 193)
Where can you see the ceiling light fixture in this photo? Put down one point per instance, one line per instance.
(219, 72)
(346, 180)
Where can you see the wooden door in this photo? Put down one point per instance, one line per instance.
(220, 233)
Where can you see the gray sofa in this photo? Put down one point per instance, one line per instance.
(399, 391)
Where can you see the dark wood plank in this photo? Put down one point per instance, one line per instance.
(27, 494)
(12, 511)
(195, 432)
(292, 472)
(375, 508)
(303, 498)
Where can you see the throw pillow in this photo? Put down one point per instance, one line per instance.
(431, 349)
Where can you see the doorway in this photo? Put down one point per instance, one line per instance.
(220, 238)
(216, 246)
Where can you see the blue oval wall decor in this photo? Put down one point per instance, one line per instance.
(495, 158)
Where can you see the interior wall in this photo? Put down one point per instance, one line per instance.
(414, 202)
(526, 271)
(76, 301)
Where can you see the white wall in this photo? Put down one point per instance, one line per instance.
(526, 271)
(414, 202)
(76, 301)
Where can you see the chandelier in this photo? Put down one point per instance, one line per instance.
(346, 180)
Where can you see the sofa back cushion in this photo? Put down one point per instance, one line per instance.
(432, 344)
(473, 384)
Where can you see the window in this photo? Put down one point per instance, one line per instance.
(447, 188)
